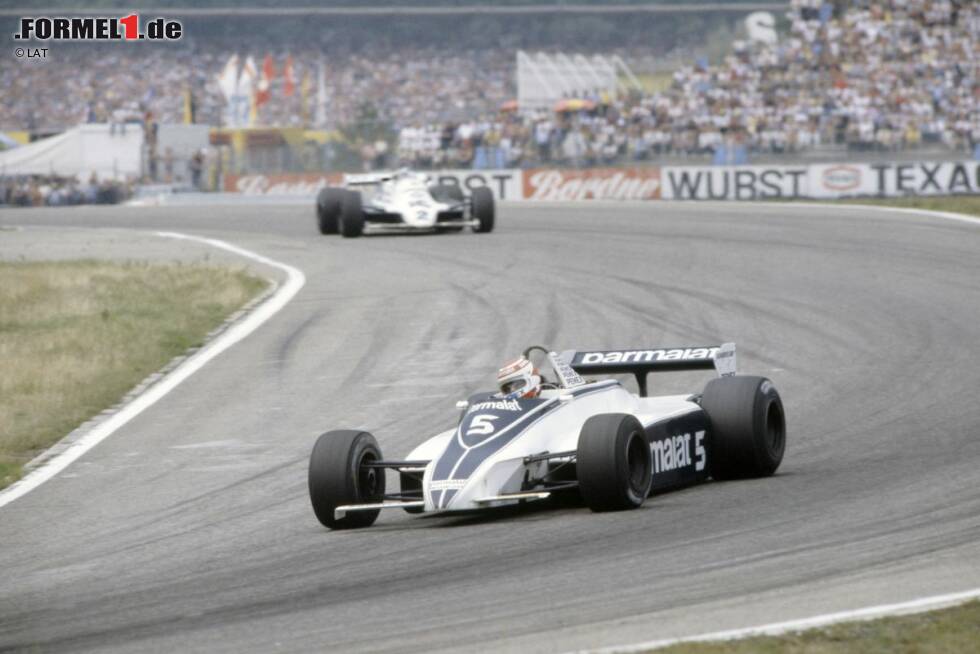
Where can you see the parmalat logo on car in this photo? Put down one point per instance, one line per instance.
(499, 405)
(674, 452)
(645, 356)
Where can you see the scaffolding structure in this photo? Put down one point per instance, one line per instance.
(546, 79)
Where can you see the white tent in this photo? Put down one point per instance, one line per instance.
(80, 151)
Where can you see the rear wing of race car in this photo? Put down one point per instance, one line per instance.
(640, 363)
(366, 179)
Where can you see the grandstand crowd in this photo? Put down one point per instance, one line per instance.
(868, 75)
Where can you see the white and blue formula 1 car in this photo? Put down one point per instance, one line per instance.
(593, 437)
(402, 201)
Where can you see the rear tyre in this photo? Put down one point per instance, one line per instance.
(337, 477)
(483, 209)
(351, 214)
(328, 203)
(614, 465)
(748, 426)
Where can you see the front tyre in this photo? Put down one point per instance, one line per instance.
(614, 464)
(748, 426)
(351, 214)
(483, 209)
(337, 476)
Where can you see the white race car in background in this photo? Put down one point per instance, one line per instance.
(591, 437)
(401, 201)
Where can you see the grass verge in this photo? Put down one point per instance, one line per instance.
(75, 336)
(946, 631)
(966, 204)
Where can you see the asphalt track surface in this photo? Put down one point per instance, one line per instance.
(190, 529)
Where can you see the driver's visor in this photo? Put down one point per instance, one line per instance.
(513, 385)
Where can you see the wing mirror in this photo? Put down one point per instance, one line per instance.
(564, 398)
(462, 404)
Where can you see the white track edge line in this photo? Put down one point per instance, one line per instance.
(947, 215)
(781, 204)
(779, 628)
(235, 333)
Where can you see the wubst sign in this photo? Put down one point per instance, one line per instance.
(836, 180)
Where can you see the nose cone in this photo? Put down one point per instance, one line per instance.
(487, 426)
(441, 500)
(448, 494)
(421, 216)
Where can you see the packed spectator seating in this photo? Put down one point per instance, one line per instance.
(105, 85)
(872, 76)
(865, 74)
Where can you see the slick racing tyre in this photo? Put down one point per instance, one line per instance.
(328, 203)
(483, 209)
(748, 426)
(614, 464)
(351, 214)
(338, 476)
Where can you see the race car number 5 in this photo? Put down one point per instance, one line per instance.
(481, 424)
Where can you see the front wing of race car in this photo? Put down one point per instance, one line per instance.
(385, 221)
(413, 502)
(383, 218)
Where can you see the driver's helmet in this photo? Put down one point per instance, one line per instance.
(519, 379)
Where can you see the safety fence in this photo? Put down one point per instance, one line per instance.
(812, 181)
